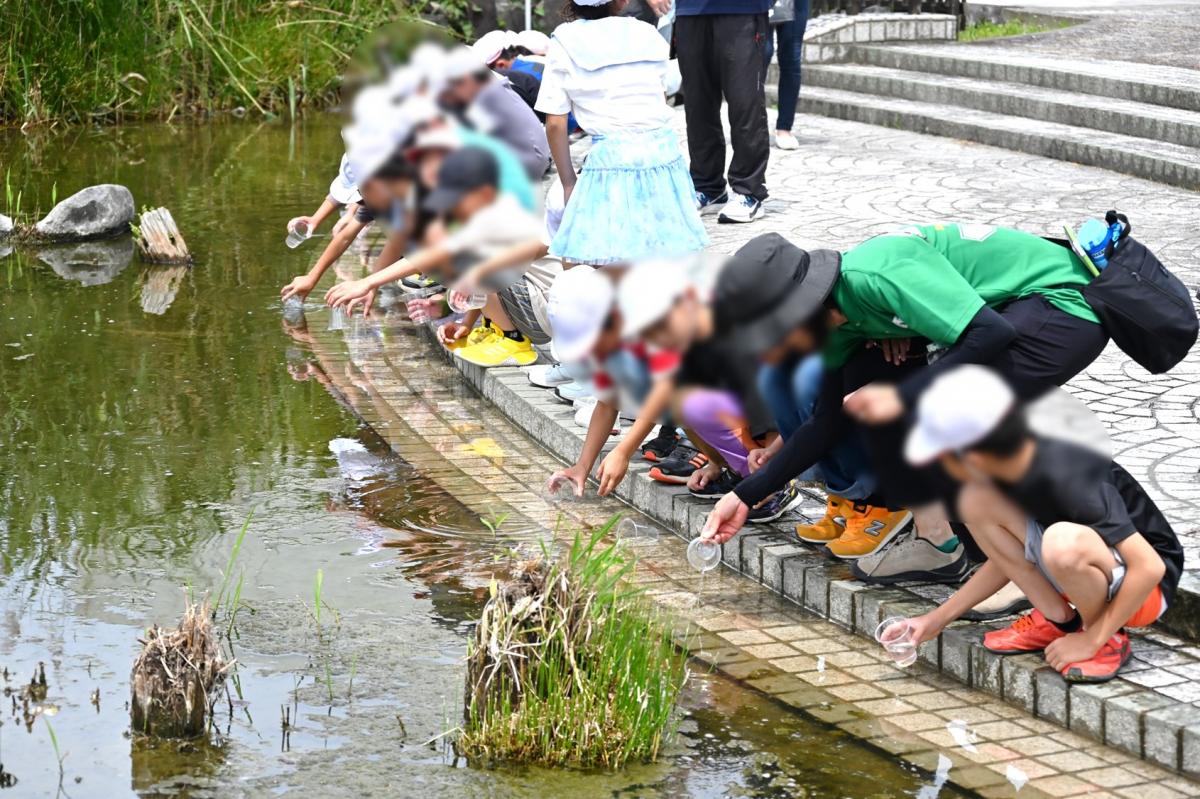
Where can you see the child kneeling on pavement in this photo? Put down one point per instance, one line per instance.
(1069, 526)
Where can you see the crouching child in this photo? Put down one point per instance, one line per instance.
(1069, 526)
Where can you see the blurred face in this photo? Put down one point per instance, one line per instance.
(462, 92)
(677, 329)
(609, 340)
(378, 193)
(473, 201)
(971, 466)
(800, 341)
(503, 64)
(428, 165)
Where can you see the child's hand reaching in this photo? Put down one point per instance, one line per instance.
(451, 332)
(349, 294)
(301, 286)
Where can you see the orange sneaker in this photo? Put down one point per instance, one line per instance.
(1105, 664)
(829, 528)
(868, 528)
(1032, 632)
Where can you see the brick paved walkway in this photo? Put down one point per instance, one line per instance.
(850, 181)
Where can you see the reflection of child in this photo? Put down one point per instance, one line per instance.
(634, 197)
(1071, 528)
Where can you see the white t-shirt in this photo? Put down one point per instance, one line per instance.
(610, 72)
(494, 230)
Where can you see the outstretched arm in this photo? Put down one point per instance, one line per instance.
(303, 284)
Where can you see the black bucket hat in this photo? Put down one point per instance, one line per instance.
(770, 287)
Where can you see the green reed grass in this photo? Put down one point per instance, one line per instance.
(1013, 27)
(571, 666)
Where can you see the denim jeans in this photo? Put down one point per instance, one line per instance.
(791, 393)
(791, 44)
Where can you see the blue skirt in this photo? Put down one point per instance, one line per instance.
(634, 200)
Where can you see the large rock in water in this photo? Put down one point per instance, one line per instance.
(6, 225)
(94, 213)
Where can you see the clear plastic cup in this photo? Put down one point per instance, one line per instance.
(461, 303)
(634, 531)
(703, 555)
(297, 235)
(337, 319)
(559, 488)
(418, 308)
(895, 634)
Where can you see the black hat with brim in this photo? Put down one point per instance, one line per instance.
(770, 287)
(463, 171)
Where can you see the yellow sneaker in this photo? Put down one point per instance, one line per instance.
(485, 332)
(499, 350)
(829, 528)
(868, 528)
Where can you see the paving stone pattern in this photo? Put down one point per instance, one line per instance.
(423, 410)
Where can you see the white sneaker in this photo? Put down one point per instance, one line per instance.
(572, 392)
(583, 415)
(548, 375)
(784, 140)
(741, 208)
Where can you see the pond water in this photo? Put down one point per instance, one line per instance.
(148, 414)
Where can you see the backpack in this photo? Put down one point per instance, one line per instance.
(1144, 308)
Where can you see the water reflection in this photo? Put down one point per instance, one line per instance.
(90, 263)
(160, 284)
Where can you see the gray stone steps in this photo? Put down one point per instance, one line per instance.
(1127, 117)
(1113, 80)
(1164, 162)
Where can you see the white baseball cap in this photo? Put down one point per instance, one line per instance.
(580, 300)
(343, 187)
(491, 44)
(535, 42)
(648, 290)
(403, 82)
(461, 62)
(960, 408)
(368, 151)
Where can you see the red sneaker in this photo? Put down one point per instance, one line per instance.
(1032, 632)
(1104, 666)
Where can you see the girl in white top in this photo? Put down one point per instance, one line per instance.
(633, 198)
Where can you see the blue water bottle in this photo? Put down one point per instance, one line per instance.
(1094, 237)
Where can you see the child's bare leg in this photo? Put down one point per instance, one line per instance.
(998, 526)
(494, 311)
(1081, 563)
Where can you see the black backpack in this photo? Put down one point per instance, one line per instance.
(1146, 310)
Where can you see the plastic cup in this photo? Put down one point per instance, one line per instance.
(418, 309)
(559, 488)
(297, 235)
(337, 319)
(633, 531)
(703, 555)
(461, 303)
(895, 634)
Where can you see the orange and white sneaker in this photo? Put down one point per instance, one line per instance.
(829, 528)
(868, 527)
(1105, 664)
(1032, 632)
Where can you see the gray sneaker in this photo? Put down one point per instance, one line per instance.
(1008, 601)
(912, 559)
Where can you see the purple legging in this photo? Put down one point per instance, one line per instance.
(718, 419)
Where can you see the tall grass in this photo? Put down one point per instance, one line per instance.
(571, 666)
(109, 60)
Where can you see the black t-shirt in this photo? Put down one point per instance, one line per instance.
(717, 363)
(1067, 483)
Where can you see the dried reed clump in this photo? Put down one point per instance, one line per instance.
(177, 675)
(570, 666)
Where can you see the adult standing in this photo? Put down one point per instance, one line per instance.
(720, 44)
(789, 18)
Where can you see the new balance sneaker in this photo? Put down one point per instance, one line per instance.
(481, 333)
(550, 375)
(868, 528)
(1008, 601)
(572, 392)
(831, 527)
(914, 559)
(420, 282)
(741, 208)
(678, 466)
(776, 505)
(660, 446)
(1032, 632)
(725, 482)
(710, 205)
(1105, 664)
(499, 351)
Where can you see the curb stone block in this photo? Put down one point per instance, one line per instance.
(871, 607)
(1052, 696)
(957, 642)
(1162, 735)
(1017, 673)
(773, 559)
(841, 601)
(793, 577)
(1087, 706)
(752, 544)
(985, 670)
(1190, 751)
(1124, 718)
(816, 589)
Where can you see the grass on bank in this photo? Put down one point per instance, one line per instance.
(570, 666)
(97, 61)
(1013, 27)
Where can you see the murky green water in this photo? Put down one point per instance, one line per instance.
(144, 414)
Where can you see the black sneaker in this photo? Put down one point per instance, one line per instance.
(662, 445)
(776, 505)
(677, 467)
(725, 482)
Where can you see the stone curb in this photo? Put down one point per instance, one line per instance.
(1122, 713)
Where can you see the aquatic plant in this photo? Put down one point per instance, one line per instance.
(570, 665)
